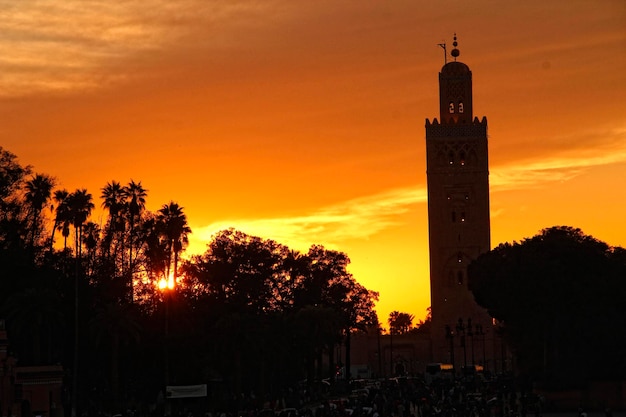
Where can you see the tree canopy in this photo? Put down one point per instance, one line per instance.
(559, 299)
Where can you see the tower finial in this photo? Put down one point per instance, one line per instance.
(455, 52)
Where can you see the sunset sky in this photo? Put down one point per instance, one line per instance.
(303, 121)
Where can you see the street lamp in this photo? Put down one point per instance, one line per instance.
(471, 336)
(391, 374)
(450, 336)
(481, 332)
(460, 328)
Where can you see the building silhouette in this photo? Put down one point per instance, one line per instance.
(28, 390)
(458, 219)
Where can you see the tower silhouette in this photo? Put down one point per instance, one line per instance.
(458, 213)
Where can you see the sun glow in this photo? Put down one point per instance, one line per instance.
(167, 284)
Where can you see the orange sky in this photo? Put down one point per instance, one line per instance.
(303, 121)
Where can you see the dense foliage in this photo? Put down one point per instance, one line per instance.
(125, 314)
(559, 298)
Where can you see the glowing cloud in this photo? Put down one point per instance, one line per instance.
(364, 217)
(355, 219)
(565, 164)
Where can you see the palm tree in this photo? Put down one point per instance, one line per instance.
(38, 192)
(155, 248)
(135, 196)
(400, 323)
(113, 196)
(79, 206)
(90, 239)
(62, 219)
(176, 231)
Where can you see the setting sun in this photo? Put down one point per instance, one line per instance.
(167, 284)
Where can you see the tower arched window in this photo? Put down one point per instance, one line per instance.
(451, 108)
(462, 158)
(460, 107)
(459, 277)
(450, 157)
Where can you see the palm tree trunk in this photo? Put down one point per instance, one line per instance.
(33, 229)
(115, 377)
(54, 228)
(320, 363)
(348, 356)
(77, 234)
(331, 362)
(74, 404)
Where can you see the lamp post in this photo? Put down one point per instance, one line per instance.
(470, 334)
(380, 358)
(391, 350)
(460, 328)
(502, 352)
(481, 332)
(450, 337)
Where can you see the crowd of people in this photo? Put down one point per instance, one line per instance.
(395, 397)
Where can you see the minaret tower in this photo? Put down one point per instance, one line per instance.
(458, 214)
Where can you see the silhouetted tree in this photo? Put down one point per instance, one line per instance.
(12, 174)
(155, 255)
(62, 219)
(246, 276)
(90, 239)
(114, 200)
(176, 232)
(12, 214)
(79, 206)
(328, 283)
(135, 196)
(423, 326)
(400, 323)
(559, 296)
(38, 192)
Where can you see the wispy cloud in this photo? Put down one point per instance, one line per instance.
(364, 217)
(354, 219)
(62, 45)
(563, 163)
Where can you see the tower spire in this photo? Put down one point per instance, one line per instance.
(455, 52)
